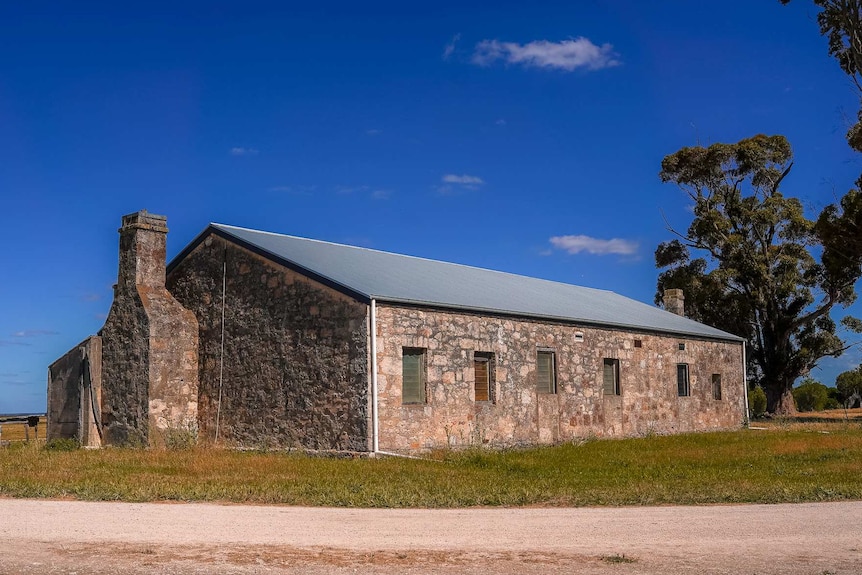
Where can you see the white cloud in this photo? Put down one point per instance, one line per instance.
(350, 189)
(450, 46)
(240, 151)
(501, 122)
(454, 183)
(373, 132)
(34, 333)
(292, 189)
(567, 55)
(381, 194)
(464, 180)
(578, 244)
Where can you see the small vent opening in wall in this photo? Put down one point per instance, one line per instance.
(638, 343)
(579, 336)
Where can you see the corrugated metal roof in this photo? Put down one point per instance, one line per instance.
(389, 277)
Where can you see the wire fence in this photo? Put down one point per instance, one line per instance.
(14, 428)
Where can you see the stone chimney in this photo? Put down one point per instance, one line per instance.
(142, 250)
(674, 301)
(149, 344)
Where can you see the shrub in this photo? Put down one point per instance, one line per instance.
(66, 444)
(810, 395)
(757, 402)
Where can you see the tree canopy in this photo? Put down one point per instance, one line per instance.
(758, 273)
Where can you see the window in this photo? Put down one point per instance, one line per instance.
(546, 376)
(483, 367)
(638, 343)
(682, 386)
(413, 375)
(682, 346)
(611, 376)
(716, 386)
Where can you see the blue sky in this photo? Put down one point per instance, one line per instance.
(520, 136)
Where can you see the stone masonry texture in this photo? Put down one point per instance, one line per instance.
(295, 352)
(648, 402)
(71, 380)
(149, 344)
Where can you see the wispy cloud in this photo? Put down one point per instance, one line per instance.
(344, 190)
(578, 244)
(373, 132)
(449, 49)
(463, 179)
(301, 190)
(568, 55)
(501, 122)
(34, 333)
(240, 151)
(11, 342)
(454, 182)
(381, 194)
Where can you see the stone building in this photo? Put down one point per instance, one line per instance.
(253, 338)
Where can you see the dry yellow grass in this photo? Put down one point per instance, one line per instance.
(18, 431)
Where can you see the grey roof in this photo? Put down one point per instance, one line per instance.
(395, 278)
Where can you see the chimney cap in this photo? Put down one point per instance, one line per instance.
(144, 220)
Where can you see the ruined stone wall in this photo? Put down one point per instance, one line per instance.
(648, 403)
(295, 352)
(74, 388)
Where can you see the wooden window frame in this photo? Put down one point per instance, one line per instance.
(614, 389)
(683, 384)
(550, 386)
(716, 386)
(483, 392)
(407, 396)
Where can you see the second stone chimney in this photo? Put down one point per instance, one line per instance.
(674, 301)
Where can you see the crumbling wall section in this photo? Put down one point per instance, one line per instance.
(520, 415)
(74, 394)
(293, 370)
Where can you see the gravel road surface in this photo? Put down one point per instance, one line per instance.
(38, 536)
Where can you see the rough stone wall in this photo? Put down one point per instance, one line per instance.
(295, 352)
(149, 344)
(74, 387)
(648, 402)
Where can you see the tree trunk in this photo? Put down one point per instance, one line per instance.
(779, 399)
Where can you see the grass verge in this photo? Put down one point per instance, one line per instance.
(780, 464)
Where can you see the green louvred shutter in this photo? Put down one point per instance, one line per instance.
(412, 373)
(610, 377)
(545, 372)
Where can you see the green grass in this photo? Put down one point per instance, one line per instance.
(783, 464)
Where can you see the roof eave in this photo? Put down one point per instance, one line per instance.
(570, 320)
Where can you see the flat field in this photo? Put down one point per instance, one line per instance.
(777, 461)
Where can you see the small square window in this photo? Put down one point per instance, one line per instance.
(611, 376)
(682, 346)
(682, 385)
(413, 375)
(546, 372)
(638, 343)
(716, 386)
(483, 369)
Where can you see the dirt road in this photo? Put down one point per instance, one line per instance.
(80, 537)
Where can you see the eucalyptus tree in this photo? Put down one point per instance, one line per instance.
(762, 270)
